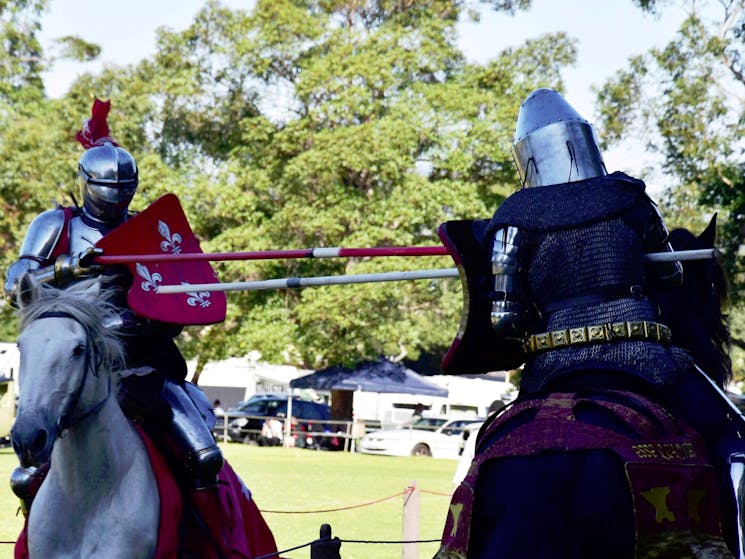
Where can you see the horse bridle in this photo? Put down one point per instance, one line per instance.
(67, 418)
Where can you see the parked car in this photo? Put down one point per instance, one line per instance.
(439, 437)
(247, 419)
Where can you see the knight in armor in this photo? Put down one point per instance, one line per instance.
(557, 278)
(59, 249)
(571, 287)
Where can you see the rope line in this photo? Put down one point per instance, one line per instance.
(334, 509)
(406, 491)
(436, 493)
(283, 551)
(391, 541)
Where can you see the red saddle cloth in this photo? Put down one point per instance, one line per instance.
(245, 533)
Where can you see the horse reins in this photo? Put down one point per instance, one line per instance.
(67, 418)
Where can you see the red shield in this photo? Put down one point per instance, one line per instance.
(163, 229)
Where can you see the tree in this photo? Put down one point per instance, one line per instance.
(319, 123)
(687, 100)
(333, 124)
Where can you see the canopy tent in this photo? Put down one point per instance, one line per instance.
(371, 376)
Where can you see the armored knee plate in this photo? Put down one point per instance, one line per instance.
(189, 437)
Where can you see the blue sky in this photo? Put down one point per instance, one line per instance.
(607, 31)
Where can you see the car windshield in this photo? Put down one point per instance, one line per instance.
(428, 423)
(262, 407)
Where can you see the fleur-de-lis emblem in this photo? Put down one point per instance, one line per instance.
(172, 242)
(151, 280)
(201, 298)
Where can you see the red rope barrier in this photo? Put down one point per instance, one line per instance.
(436, 493)
(336, 509)
(404, 492)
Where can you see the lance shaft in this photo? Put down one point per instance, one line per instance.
(324, 252)
(291, 283)
(340, 252)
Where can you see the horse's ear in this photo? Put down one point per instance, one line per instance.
(28, 290)
(709, 235)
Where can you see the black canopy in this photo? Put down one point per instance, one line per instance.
(371, 376)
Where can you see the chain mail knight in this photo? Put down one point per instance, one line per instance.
(557, 281)
(58, 249)
(567, 257)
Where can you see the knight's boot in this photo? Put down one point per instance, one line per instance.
(25, 483)
(189, 436)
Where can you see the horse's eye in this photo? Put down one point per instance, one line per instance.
(79, 350)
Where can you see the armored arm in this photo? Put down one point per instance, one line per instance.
(38, 256)
(509, 314)
(37, 249)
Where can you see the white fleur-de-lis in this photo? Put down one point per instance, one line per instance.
(151, 280)
(172, 242)
(201, 298)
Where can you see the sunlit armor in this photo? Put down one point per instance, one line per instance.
(509, 312)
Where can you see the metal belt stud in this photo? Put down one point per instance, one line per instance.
(598, 333)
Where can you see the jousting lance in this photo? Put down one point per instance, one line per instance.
(290, 283)
(340, 252)
(323, 252)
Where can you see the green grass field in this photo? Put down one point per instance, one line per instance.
(288, 479)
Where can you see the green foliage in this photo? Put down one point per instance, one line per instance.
(77, 49)
(300, 124)
(20, 55)
(338, 124)
(686, 100)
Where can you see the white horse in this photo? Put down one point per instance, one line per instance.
(100, 497)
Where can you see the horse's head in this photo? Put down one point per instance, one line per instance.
(695, 311)
(64, 346)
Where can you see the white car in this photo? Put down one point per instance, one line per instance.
(438, 437)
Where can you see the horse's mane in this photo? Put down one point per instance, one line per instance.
(695, 311)
(83, 301)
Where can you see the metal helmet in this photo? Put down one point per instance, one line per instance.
(109, 176)
(553, 143)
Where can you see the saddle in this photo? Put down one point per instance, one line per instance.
(675, 490)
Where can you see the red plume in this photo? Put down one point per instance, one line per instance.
(95, 130)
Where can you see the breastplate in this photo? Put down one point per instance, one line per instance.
(83, 235)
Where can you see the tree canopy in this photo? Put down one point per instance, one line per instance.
(306, 124)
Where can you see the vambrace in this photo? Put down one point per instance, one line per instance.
(14, 274)
(666, 274)
(508, 314)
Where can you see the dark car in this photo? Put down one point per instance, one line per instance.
(247, 419)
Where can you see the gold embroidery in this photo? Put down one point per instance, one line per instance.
(455, 510)
(657, 497)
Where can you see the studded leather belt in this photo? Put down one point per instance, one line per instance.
(609, 332)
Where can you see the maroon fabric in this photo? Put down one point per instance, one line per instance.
(63, 243)
(673, 487)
